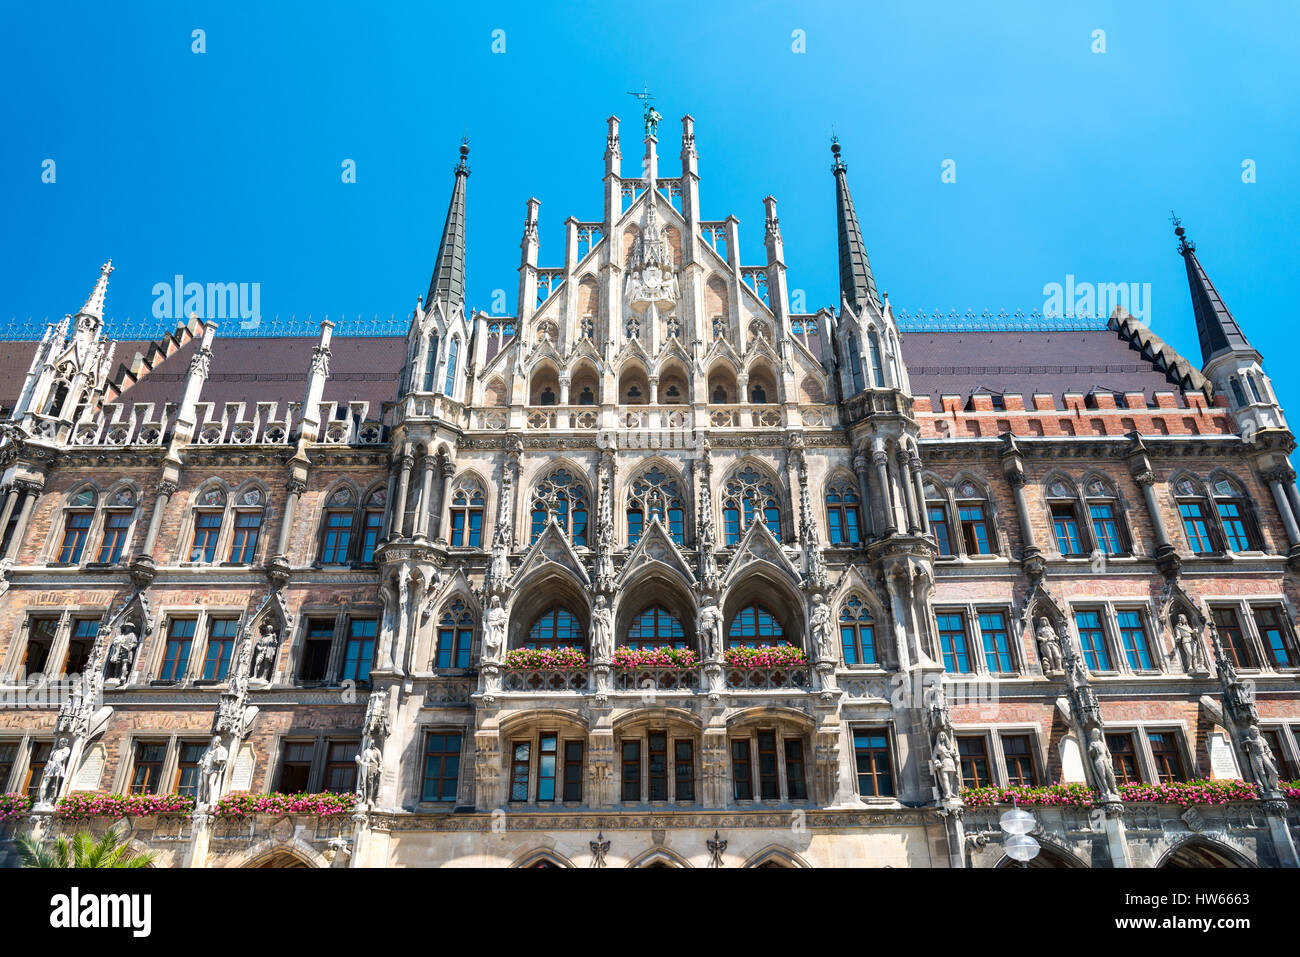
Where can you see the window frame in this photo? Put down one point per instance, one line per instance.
(887, 750)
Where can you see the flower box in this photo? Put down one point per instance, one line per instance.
(1051, 795)
(671, 659)
(545, 659)
(1182, 793)
(765, 656)
(84, 805)
(14, 805)
(241, 804)
(1291, 789)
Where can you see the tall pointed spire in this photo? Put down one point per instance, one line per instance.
(857, 284)
(1215, 325)
(448, 282)
(94, 306)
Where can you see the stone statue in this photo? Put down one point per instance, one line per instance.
(1262, 763)
(1190, 649)
(211, 767)
(1102, 768)
(820, 625)
(56, 768)
(264, 654)
(709, 627)
(602, 631)
(121, 653)
(1049, 646)
(370, 763)
(946, 769)
(494, 635)
(500, 557)
(243, 664)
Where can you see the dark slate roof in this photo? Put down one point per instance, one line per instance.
(962, 363)
(857, 284)
(448, 282)
(1215, 325)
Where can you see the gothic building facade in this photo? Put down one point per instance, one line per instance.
(655, 571)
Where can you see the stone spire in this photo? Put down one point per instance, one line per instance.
(94, 307)
(448, 283)
(857, 284)
(1215, 325)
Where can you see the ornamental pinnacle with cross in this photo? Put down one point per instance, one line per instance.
(652, 116)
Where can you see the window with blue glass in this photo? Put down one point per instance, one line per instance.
(877, 361)
(1196, 522)
(1277, 636)
(842, 514)
(857, 632)
(952, 642)
(467, 515)
(747, 495)
(455, 636)
(221, 644)
(75, 530)
(1092, 640)
(556, 627)
(655, 627)
(1065, 524)
(441, 765)
(453, 350)
(430, 363)
(359, 652)
(1133, 635)
(855, 363)
(1104, 513)
(753, 627)
(997, 643)
(874, 765)
(338, 534)
(1234, 515)
(563, 496)
(655, 495)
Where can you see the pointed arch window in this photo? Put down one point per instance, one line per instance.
(1065, 520)
(877, 362)
(467, 514)
(655, 627)
(855, 363)
(655, 494)
(372, 524)
(973, 513)
(453, 351)
(455, 636)
(430, 362)
(936, 510)
(117, 523)
(76, 526)
(857, 633)
(754, 626)
(749, 494)
(1235, 515)
(842, 514)
(336, 537)
(561, 494)
(210, 508)
(248, 526)
(1106, 518)
(1196, 521)
(556, 627)
(1238, 396)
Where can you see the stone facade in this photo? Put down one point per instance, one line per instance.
(336, 581)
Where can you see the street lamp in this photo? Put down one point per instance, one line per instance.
(1018, 844)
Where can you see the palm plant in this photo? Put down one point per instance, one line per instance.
(83, 850)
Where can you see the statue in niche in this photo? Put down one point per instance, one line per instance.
(1049, 646)
(1103, 768)
(820, 626)
(494, 635)
(1263, 764)
(370, 764)
(211, 766)
(121, 652)
(1190, 649)
(264, 653)
(946, 770)
(709, 628)
(602, 631)
(56, 769)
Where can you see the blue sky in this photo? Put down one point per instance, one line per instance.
(226, 166)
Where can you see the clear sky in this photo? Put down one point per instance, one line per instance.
(226, 166)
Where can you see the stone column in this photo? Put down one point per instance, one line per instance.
(1147, 482)
(918, 489)
(1275, 481)
(11, 499)
(421, 529)
(448, 472)
(864, 492)
(909, 492)
(880, 458)
(295, 488)
(397, 506)
(30, 492)
(165, 490)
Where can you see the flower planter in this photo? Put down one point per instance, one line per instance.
(546, 659)
(1181, 793)
(239, 805)
(85, 806)
(14, 805)
(658, 659)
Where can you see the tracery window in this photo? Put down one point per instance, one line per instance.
(210, 508)
(857, 633)
(936, 510)
(655, 494)
(1234, 514)
(973, 513)
(561, 494)
(430, 363)
(455, 636)
(1196, 521)
(467, 514)
(877, 362)
(76, 526)
(117, 522)
(1107, 520)
(556, 627)
(755, 626)
(1065, 519)
(337, 533)
(453, 349)
(747, 494)
(842, 514)
(655, 627)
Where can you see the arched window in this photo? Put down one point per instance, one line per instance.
(556, 627)
(455, 636)
(337, 532)
(76, 526)
(842, 514)
(248, 526)
(1237, 394)
(857, 633)
(209, 510)
(855, 363)
(1234, 513)
(1066, 527)
(467, 514)
(654, 494)
(586, 396)
(719, 395)
(120, 508)
(655, 627)
(372, 524)
(453, 348)
(430, 362)
(877, 363)
(749, 493)
(1107, 520)
(1196, 521)
(754, 626)
(936, 510)
(562, 495)
(973, 512)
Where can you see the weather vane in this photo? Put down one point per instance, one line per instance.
(652, 116)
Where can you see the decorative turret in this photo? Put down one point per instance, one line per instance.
(448, 283)
(857, 284)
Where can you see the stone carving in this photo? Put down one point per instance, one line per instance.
(211, 767)
(264, 654)
(1049, 646)
(56, 769)
(602, 631)
(1263, 764)
(370, 764)
(599, 848)
(1103, 770)
(709, 628)
(717, 847)
(494, 635)
(1190, 649)
(947, 771)
(121, 653)
(820, 626)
